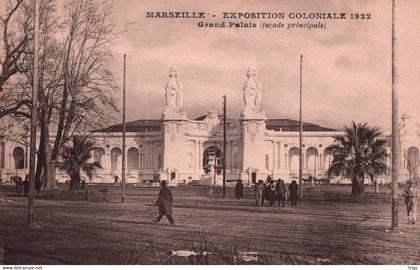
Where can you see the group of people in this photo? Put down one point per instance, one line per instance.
(272, 191)
(21, 185)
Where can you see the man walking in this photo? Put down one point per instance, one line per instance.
(239, 190)
(410, 195)
(164, 202)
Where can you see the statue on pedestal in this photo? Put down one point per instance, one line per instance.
(252, 96)
(174, 107)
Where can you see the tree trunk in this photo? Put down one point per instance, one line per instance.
(39, 165)
(376, 185)
(74, 182)
(356, 187)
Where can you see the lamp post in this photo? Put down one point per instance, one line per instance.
(300, 130)
(394, 133)
(123, 139)
(34, 117)
(224, 146)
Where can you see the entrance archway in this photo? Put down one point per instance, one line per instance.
(19, 157)
(208, 155)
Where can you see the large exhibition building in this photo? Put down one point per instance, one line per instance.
(180, 150)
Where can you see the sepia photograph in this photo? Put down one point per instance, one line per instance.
(191, 132)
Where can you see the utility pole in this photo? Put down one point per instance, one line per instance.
(123, 139)
(300, 130)
(34, 117)
(224, 146)
(394, 134)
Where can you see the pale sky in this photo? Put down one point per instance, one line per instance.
(347, 67)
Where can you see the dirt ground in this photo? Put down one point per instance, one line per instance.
(316, 232)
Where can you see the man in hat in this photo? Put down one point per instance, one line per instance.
(239, 190)
(410, 195)
(164, 202)
(280, 192)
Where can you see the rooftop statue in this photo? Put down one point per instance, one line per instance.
(252, 95)
(173, 90)
(174, 105)
(252, 91)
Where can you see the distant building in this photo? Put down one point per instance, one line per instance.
(179, 150)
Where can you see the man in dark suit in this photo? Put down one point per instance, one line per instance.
(164, 202)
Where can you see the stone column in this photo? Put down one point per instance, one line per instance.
(200, 155)
(304, 161)
(274, 155)
(228, 155)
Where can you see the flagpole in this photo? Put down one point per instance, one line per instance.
(300, 130)
(34, 117)
(394, 132)
(123, 138)
(224, 146)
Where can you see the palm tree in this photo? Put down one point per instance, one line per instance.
(358, 153)
(377, 154)
(75, 157)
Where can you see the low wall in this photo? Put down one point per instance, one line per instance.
(367, 197)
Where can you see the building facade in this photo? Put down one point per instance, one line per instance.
(179, 150)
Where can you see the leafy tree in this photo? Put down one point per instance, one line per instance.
(357, 154)
(75, 158)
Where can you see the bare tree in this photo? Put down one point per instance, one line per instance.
(88, 83)
(76, 85)
(16, 34)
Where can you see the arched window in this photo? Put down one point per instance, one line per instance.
(132, 159)
(311, 159)
(294, 159)
(412, 159)
(212, 156)
(98, 154)
(19, 158)
(328, 158)
(115, 159)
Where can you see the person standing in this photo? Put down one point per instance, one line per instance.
(410, 195)
(239, 190)
(280, 192)
(19, 185)
(293, 189)
(26, 186)
(164, 202)
(258, 188)
(271, 192)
